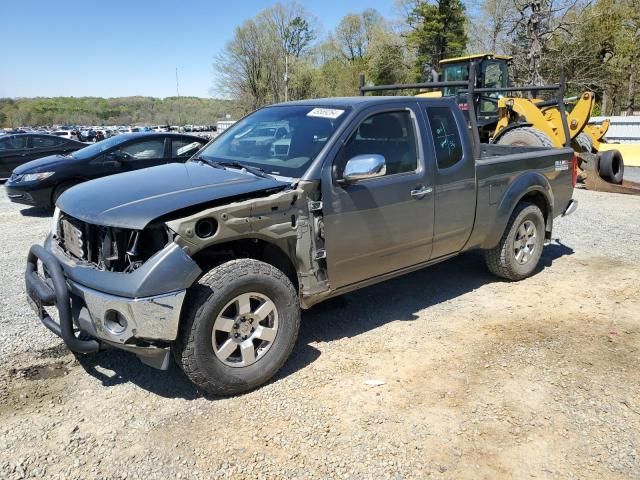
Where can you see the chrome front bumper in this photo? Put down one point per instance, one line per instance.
(118, 320)
(144, 325)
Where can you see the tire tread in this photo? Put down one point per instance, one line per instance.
(198, 297)
(497, 258)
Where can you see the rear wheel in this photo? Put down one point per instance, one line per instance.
(526, 137)
(611, 166)
(517, 254)
(241, 323)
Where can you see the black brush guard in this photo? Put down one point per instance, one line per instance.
(53, 292)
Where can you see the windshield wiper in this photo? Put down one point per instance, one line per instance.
(258, 172)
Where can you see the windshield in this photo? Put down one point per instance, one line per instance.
(97, 148)
(455, 73)
(281, 140)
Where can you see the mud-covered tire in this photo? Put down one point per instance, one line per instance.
(502, 259)
(525, 136)
(207, 301)
(583, 143)
(611, 166)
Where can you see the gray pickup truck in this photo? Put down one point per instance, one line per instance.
(214, 259)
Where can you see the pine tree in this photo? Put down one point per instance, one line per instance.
(437, 32)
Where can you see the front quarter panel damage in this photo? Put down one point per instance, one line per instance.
(290, 220)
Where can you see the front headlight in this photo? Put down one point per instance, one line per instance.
(36, 177)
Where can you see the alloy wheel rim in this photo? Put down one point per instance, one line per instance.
(524, 245)
(245, 329)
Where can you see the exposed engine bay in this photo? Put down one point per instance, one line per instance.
(108, 248)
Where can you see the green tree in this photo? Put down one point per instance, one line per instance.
(436, 31)
(600, 51)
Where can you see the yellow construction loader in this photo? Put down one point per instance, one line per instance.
(503, 118)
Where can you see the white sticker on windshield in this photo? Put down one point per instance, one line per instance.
(331, 113)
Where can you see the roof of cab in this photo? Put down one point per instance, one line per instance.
(483, 56)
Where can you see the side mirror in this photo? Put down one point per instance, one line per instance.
(362, 167)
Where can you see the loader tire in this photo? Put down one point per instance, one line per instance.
(525, 137)
(240, 324)
(583, 142)
(611, 166)
(518, 252)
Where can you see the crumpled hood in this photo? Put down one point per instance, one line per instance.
(133, 199)
(42, 164)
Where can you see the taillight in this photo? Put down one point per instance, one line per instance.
(574, 169)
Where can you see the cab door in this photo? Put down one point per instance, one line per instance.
(455, 182)
(378, 225)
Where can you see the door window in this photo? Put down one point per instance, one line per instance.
(145, 150)
(13, 143)
(184, 148)
(446, 136)
(46, 142)
(494, 76)
(390, 134)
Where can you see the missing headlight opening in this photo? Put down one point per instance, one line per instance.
(110, 248)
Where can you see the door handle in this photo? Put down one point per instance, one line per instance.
(421, 192)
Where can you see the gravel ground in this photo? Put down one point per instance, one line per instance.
(480, 378)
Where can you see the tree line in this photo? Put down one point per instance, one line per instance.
(114, 111)
(281, 53)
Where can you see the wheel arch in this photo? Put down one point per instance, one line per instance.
(72, 180)
(249, 247)
(531, 187)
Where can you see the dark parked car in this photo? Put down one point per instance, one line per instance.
(21, 148)
(41, 182)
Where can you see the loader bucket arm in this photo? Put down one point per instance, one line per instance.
(579, 116)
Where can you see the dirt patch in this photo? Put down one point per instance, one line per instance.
(40, 372)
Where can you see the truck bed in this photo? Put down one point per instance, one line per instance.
(501, 169)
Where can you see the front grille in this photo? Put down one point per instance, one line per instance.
(109, 248)
(71, 237)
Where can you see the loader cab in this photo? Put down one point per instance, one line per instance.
(493, 72)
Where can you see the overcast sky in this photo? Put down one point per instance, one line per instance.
(116, 48)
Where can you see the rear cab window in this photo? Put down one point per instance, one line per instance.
(446, 136)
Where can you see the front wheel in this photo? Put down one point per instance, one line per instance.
(517, 254)
(240, 324)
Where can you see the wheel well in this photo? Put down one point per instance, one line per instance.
(69, 181)
(537, 198)
(255, 248)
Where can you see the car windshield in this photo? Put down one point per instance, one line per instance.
(281, 140)
(97, 148)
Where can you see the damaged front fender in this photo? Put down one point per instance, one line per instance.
(290, 219)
